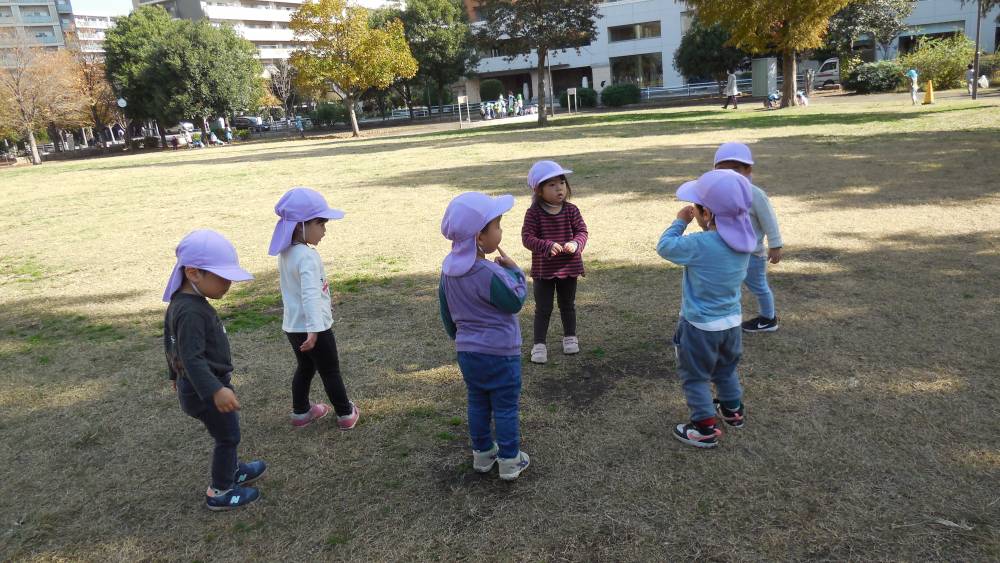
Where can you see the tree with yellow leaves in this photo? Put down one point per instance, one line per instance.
(39, 87)
(787, 26)
(346, 53)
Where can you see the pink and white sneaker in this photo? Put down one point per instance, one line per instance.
(317, 411)
(348, 421)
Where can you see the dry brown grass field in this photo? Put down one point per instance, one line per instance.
(874, 429)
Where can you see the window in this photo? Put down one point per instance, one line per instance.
(642, 70)
(633, 31)
(686, 19)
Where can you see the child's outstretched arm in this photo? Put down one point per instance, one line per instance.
(673, 245)
(531, 232)
(449, 323)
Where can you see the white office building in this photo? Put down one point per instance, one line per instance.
(636, 41)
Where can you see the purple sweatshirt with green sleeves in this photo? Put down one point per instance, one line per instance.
(479, 308)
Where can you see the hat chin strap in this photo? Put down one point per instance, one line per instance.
(196, 290)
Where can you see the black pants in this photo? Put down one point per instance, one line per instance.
(733, 100)
(223, 427)
(323, 358)
(565, 288)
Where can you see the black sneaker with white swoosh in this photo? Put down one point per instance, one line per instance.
(761, 324)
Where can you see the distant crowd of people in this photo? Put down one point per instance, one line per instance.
(510, 106)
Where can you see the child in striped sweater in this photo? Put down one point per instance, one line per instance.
(555, 234)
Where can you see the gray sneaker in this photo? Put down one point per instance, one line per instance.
(483, 462)
(511, 468)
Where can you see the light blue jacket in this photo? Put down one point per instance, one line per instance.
(713, 274)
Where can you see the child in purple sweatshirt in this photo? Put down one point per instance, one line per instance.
(480, 300)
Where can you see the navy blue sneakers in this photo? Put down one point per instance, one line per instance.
(232, 499)
(247, 473)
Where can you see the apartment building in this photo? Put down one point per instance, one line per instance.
(35, 22)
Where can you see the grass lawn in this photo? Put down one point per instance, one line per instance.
(874, 425)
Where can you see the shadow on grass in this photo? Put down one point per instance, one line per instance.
(828, 172)
(912, 307)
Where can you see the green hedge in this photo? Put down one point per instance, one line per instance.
(618, 95)
(490, 89)
(327, 114)
(942, 60)
(586, 97)
(881, 76)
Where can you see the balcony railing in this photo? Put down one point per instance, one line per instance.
(32, 19)
(239, 13)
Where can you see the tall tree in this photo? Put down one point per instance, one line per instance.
(97, 92)
(129, 48)
(346, 53)
(282, 78)
(882, 19)
(787, 26)
(38, 87)
(704, 53)
(201, 70)
(440, 39)
(169, 70)
(516, 27)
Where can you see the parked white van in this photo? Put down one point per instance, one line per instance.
(828, 74)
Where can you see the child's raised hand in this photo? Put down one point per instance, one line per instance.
(774, 255)
(310, 342)
(505, 261)
(225, 400)
(570, 247)
(687, 213)
(556, 249)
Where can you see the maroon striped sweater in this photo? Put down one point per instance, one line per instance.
(541, 230)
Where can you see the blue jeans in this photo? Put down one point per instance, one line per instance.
(705, 357)
(223, 427)
(756, 282)
(494, 385)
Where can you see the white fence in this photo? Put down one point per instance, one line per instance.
(701, 89)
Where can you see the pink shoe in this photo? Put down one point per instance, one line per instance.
(317, 411)
(348, 421)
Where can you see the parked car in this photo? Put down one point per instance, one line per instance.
(828, 74)
(178, 133)
(250, 122)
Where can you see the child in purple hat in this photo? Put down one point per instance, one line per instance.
(708, 340)
(480, 300)
(199, 361)
(555, 233)
(737, 157)
(308, 317)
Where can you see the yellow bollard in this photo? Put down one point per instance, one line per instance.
(929, 93)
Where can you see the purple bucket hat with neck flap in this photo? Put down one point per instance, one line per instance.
(728, 196)
(298, 205)
(206, 250)
(465, 217)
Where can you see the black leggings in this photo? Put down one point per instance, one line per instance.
(565, 288)
(322, 357)
(733, 100)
